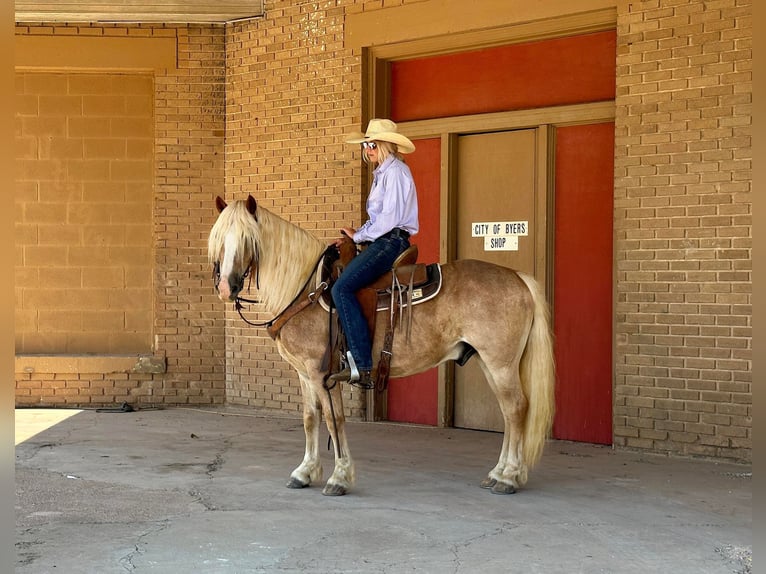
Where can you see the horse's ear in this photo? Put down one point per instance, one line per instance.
(220, 204)
(251, 205)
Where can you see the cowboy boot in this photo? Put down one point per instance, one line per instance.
(353, 376)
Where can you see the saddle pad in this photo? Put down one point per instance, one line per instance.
(420, 293)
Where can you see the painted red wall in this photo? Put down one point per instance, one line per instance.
(561, 71)
(582, 303)
(415, 399)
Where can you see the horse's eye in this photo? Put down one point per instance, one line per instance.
(216, 270)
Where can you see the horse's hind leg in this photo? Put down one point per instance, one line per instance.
(310, 469)
(510, 472)
(343, 476)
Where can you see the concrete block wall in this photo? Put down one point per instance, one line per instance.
(683, 225)
(84, 210)
(118, 171)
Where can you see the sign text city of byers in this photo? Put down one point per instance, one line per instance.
(500, 235)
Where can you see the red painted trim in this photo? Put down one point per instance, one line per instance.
(561, 71)
(583, 282)
(415, 399)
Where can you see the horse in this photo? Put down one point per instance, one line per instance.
(498, 314)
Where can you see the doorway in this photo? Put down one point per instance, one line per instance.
(498, 181)
(500, 135)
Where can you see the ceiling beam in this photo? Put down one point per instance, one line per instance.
(139, 11)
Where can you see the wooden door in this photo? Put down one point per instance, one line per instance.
(497, 181)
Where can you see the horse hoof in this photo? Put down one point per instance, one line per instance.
(334, 490)
(503, 488)
(295, 483)
(488, 483)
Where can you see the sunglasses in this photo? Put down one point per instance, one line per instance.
(369, 145)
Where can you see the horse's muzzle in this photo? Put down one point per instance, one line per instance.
(235, 288)
(229, 289)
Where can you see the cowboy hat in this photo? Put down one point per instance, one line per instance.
(383, 131)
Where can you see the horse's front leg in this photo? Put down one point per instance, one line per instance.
(344, 474)
(310, 469)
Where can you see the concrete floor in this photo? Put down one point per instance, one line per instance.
(185, 490)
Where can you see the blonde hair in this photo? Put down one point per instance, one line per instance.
(385, 149)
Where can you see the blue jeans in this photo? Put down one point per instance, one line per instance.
(361, 271)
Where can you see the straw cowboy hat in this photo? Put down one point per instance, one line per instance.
(383, 131)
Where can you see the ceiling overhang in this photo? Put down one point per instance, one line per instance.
(139, 11)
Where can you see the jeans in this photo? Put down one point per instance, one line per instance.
(363, 269)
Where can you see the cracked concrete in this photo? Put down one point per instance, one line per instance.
(187, 490)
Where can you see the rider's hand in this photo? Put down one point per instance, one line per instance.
(346, 233)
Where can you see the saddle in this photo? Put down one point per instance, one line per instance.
(398, 290)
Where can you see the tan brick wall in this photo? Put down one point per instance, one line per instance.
(293, 92)
(682, 216)
(115, 194)
(683, 227)
(189, 130)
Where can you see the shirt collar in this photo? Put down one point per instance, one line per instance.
(385, 165)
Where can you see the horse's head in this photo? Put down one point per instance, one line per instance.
(231, 246)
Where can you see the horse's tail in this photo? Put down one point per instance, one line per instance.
(538, 376)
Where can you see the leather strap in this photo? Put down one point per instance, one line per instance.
(274, 328)
(384, 364)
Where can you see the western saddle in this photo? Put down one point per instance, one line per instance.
(406, 284)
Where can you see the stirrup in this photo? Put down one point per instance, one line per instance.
(363, 381)
(352, 375)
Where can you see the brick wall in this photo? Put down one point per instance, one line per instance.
(293, 92)
(683, 227)
(114, 198)
(682, 215)
(189, 138)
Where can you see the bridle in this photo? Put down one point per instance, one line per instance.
(312, 298)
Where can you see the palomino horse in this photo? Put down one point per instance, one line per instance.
(500, 313)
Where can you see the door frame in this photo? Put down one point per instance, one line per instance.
(449, 129)
(376, 89)
(376, 60)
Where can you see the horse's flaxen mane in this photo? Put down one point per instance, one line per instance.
(287, 254)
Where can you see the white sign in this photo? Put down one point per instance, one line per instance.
(499, 228)
(500, 235)
(501, 243)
